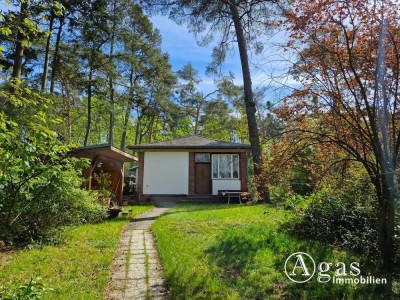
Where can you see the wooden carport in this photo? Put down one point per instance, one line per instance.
(107, 159)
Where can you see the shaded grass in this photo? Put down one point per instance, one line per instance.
(76, 269)
(238, 252)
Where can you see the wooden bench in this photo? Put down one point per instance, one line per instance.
(233, 194)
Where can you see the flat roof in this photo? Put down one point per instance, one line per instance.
(190, 142)
(104, 150)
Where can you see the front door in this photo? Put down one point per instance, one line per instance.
(203, 178)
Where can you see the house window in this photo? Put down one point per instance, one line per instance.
(202, 157)
(225, 166)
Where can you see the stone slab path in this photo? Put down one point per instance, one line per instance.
(136, 271)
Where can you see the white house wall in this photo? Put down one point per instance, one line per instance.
(166, 173)
(225, 184)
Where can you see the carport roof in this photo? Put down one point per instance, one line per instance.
(104, 150)
(191, 142)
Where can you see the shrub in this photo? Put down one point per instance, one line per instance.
(89, 210)
(297, 202)
(336, 221)
(254, 194)
(60, 203)
(39, 180)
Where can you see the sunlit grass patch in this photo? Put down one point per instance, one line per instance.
(238, 252)
(77, 268)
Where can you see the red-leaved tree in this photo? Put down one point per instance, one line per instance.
(349, 63)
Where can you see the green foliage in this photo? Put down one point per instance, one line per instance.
(217, 121)
(84, 208)
(251, 184)
(301, 181)
(39, 180)
(32, 290)
(297, 201)
(335, 220)
(102, 192)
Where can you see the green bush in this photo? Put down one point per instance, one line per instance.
(60, 202)
(342, 212)
(338, 222)
(297, 201)
(89, 209)
(39, 180)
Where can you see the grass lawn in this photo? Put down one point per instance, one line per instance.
(239, 252)
(75, 269)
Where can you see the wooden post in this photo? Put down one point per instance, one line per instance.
(120, 188)
(95, 161)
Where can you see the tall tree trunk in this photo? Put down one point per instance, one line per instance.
(55, 63)
(387, 158)
(151, 128)
(386, 236)
(386, 224)
(138, 129)
(196, 121)
(89, 107)
(140, 138)
(111, 80)
(125, 126)
(47, 53)
(156, 128)
(69, 121)
(127, 110)
(21, 40)
(112, 117)
(248, 95)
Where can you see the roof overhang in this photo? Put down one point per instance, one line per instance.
(182, 148)
(192, 143)
(194, 150)
(104, 151)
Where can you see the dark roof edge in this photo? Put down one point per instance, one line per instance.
(149, 147)
(108, 147)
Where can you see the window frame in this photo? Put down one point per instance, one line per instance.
(203, 161)
(232, 166)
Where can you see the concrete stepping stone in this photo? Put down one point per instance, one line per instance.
(136, 271)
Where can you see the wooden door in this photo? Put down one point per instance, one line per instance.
(203, 178)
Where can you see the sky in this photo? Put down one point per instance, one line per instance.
(183, 48)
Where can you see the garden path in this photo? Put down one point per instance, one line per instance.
(136, 272)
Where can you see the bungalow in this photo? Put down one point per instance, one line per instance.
(190, 166)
